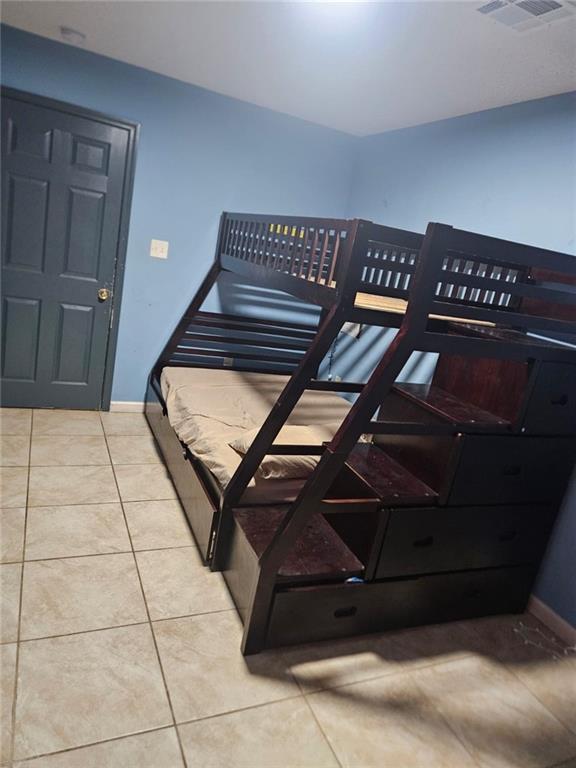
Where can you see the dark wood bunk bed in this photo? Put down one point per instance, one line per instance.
(446, 513)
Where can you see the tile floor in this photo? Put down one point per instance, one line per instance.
(120, 650)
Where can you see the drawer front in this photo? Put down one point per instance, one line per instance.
(322, 613)
(198, 506)
(419, 541)
(512, 470)
(552, 405)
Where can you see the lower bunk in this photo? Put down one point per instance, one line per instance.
(374, 557)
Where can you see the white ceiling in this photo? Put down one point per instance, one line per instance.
(358, 67)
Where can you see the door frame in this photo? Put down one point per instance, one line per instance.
(133, 130)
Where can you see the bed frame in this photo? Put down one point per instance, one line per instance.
(446, 514)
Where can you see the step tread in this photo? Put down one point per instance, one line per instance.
(391, 482)
(448, 406)
(318, 555)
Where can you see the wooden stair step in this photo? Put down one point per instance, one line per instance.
(318, 555)
(447, 406)
(389, 480)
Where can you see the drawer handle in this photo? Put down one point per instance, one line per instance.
(343, 613)
(512, 470)
(425, 542)
(562, 400)
(508, 536)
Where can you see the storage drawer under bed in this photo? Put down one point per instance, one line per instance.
(192, 492)
(437, 539)
(512, 470)
(552, 405)
(309, 614)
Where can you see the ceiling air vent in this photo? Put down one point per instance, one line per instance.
(524, 15)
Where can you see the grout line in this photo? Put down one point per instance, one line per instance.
(17, 662)
(117, 626)
(413, 666)
(319, 724)
(100, 554)
(193, 615)
(240, 709)
(82, 632)
(93, 503)
(539, 700)
(445, 720)
(170, 705)
(94, 743)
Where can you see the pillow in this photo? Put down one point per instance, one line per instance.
(284, 467)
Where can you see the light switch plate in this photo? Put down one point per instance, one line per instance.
(159, 249)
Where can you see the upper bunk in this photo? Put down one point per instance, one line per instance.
(454, 281)
(455, 291)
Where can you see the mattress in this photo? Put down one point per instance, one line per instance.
(209, 408)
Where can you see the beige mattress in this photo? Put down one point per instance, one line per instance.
(209, 408)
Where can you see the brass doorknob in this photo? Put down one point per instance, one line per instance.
(103, 294)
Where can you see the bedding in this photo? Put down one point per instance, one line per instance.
(285, 467)
(208, 409)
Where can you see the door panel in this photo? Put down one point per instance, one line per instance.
(26, 214)
(74, 341)
(84, 219)
(63, 179)
(21, 324)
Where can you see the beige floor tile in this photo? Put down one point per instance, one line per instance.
(57, 486)
(155, 749)
(567, 764)
(125, 424)
(206, 673)
(14, 450)
(157, 524)
(81, 689)
(551, 679)
(79, 529)
(15, 421)
(501, 723)
(177, 584)
(280, 735)
(62, 422)
(13, 486)
(10, 579)
(387, 722)
(79, 594)
(7, 681)
(334, 663)
(12, 534)
(55, 450)
(130, 449)
(339, 662)
(144, 482)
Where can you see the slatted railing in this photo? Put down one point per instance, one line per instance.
(496, 281)
(228, 341)
(299, 247)
(387, 269)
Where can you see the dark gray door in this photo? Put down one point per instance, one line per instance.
(63, 180)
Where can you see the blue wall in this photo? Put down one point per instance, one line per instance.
(508, 172)
(199, 154)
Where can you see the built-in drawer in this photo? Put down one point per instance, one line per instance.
(194, 494)
(436, 539)
(552, 405)
(512, 470)
(309, 614)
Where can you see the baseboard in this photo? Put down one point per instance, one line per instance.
(565, 631)
(126, 406)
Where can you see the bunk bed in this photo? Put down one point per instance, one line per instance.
(406, 503)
